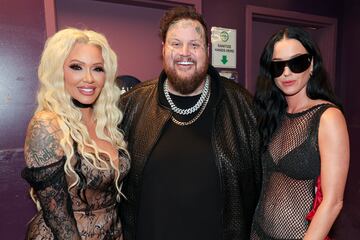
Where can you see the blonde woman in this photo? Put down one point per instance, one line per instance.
(76, 157)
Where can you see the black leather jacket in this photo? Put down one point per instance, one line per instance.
(234, 139)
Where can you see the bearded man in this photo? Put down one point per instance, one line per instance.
(195, 168)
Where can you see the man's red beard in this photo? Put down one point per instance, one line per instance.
(186, 85)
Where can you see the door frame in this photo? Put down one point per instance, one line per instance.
(50, 9)
(261, 14)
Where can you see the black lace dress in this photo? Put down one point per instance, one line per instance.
(89, 208)
(291, 166)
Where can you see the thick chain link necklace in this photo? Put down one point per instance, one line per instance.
(192, 109)
(177, 122)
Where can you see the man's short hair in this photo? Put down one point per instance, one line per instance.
(179, 13)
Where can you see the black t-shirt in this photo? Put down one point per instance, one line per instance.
(181, 195)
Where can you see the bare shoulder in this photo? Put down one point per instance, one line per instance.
(332, 116)
(333, 130)
(42, 143)
(334, 144)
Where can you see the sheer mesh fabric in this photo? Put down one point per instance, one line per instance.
(86, 212)
(291, 165)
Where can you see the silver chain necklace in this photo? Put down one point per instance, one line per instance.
(177, 122)
(191, 109)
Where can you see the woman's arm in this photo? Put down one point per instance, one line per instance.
(45, 173)
(335, 155)
(42, 143)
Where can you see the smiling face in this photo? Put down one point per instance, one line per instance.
(288, 82)
(84, 74)
(185, 56)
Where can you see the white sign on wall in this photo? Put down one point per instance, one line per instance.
(223, 51)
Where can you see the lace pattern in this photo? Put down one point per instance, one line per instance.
(70, 215)
(51, 190)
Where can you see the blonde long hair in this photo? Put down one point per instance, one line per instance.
(53, 97)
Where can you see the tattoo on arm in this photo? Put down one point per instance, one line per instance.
(42, 146)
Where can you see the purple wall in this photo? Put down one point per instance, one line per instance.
(348, 87)
(135, 39)
(129, 35)
(22, 35)
(231, 14)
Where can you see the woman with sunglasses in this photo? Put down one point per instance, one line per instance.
(305, 146)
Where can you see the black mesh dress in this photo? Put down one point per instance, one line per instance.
(87, 211)
(291, 165)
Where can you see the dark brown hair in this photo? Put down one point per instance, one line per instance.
(178, 13)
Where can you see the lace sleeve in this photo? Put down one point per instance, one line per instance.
(45, 173)
(50, 185)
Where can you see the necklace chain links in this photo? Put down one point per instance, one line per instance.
(192, 109)
(177, 122)
(204, 99)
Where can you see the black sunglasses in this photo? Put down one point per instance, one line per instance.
(297, 65)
